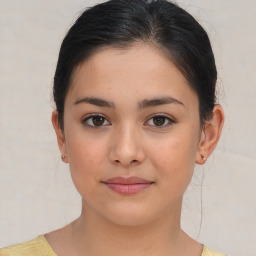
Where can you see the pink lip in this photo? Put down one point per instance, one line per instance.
(127, 186)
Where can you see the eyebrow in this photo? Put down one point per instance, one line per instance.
(96, 101)
(158, 101)
(141, 104)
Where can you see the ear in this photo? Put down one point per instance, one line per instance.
(60, 136)
(210, 135)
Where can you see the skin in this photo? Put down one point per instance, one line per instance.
(129, 142)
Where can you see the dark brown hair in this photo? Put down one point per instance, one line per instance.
(120, 23)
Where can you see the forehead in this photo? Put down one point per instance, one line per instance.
(139, 69)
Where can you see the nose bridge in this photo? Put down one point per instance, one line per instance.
(127, 145)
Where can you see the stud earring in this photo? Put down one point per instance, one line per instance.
(62, 157)
(203, 157)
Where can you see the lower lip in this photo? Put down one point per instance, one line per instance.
(128, 189)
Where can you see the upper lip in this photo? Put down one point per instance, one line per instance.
(127, 181)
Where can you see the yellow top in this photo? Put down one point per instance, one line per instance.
(40, 247)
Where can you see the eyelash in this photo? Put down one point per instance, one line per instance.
(167, 118)
(84, 121)
(88, 117)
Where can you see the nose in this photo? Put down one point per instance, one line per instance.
(126, 147)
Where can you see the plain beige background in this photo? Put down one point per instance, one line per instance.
(36, 192)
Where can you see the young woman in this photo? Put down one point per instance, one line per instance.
(135, 111)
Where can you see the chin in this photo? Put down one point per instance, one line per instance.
(130, 215)
(129, 221)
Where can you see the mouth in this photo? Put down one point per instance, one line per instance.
(127, 186)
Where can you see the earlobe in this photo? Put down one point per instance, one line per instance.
(210, 135)
(60, 136)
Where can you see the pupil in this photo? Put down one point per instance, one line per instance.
(98, 120)
(159, 120)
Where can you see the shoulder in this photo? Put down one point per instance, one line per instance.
(38, 246)
(209, 252)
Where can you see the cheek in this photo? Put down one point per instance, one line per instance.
(174, 161)
(86, 160)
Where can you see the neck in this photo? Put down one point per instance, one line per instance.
(93, 234)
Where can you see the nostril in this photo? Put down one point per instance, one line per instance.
(134, 162)
(131, 162)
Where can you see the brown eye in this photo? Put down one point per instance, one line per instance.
(95, 121)
(98, 120)
(159, 120)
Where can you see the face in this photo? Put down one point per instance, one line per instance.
(130, 113)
